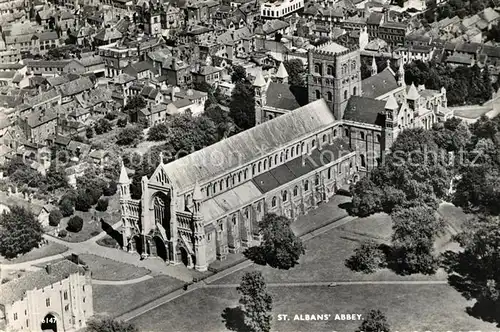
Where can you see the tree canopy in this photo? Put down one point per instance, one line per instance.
(129, 136)
(296, 71)
(110, 325)
(374, 321)
(256, 302)
(20, 232)
(242, 105)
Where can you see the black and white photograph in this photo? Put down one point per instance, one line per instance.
(249, 165)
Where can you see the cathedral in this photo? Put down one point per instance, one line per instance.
(203, 206)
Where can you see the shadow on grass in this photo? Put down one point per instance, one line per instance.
(256, 255)
(117, 236)
(346, 206)
(234, 318)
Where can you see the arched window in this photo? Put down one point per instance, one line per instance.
(208, 190)
(228, 182)
(273, 202)
(316, 180)
(324, 138)
(378, 138)
(295, 191)
(259, 167)
(363, 161)
(335, 133)
(276, 160)
(270, 162)
(265, 164)
(313, 143)
(329, 174)
(253, 169)
(239, 176)
(221, 185)
(362, 135)
(297, 150)
(214, 188)
(286, 154)
(281, 157)
(353, 65)
(234, 179)
(345, 94)
(306, 185)
(318, 94)
(285, 196)
(291, 152)
(245, 173)
(329, 96)
(354, 90)
(317, 68)
(302, 147)
(329, 70)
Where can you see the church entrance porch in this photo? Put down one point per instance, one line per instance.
(137, 245)
(161, 249)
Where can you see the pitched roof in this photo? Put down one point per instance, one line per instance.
(412, 93)
(38, 118)
(375, 18)
(281, 96)
(259, 80)
(16, 289)
(365, 110)
(391, 103)
(249, 145)
(76, 86)
(281, 73)
(379, 84)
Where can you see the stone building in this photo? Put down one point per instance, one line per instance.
(56, 298)
(207, 204)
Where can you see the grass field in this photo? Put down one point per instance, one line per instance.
(408, 308)
(115, 300)
(324, 261)
(47, 250)
(107, 269)
(377, 227)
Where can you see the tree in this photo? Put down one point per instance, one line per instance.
(367, 258)
(202, 86)
(295, 70)
(256, 302)
(102, 126)
(474, 270)
(20, 232)
(135, 103)
(111, 116)
(66, 207)
(281, 247)
(375, 321)
(83, 202)
(415, 230)
(239, 74)
(55, 217)
(242, 106)
(129, 136)
(55, 179)
(110, 325)
(102, 204)
(89, 132)
(75, 224)
(110, 190)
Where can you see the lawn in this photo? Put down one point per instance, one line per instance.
(325, 261)
(91, 221)
(46, 250)
(323, 215)
(453, 215)
(471, 112)
(116, 300)
(107, 269)
(377, 226)
(408, 308)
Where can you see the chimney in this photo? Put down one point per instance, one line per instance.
(48, 269)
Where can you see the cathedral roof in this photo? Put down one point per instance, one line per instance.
(365, 110)
(391, 103)
(284, 97)
(281, 73)
(231, 153)
(379, 84)
(124, 179)
(197, 195)
(413, 93)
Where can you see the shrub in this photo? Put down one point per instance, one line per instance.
(122, 122)
(63, 233)
(83, 201)
(111, 116)
(75, 224)
(102, 204)
(108, 242)
(367, 258)
(55, 217)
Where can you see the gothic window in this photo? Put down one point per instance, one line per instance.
(318, 94)
(329, 70)
(345, 94)
(297, 150)
(228, 182)
(302, 147)
(281, 157)
(276, 160)
(259, 167)
(378, 138)
(324, 138)
(306, 185)
(286, 154)
(362, 135)
(329, 174)
(316, 180)
(265, 164)
(285, 196)
(273, 202)
(295, 191)
(346, 132)
(253, 169)
(363, 161)
(292, 150)
(317, 68)
(208, 190)
(270, 161)
(329, 96)
(221, 185)
(354, 90)
(335, 133)
(214, 188)
(313, 143)
(353, 65)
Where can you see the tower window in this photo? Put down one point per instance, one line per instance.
(363, 161)
(317, 69)
(285, 196)
(324, 138)
(329, 70)
(306, 185)
(362, 135)
(295, 191)
(273, 202)
(329, 96)
(345, 94)
(318, 94)
(354, 90)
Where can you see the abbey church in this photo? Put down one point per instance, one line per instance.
(208, 204)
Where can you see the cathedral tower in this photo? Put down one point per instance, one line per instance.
(391, 108)
(260, 86)
(334, 74)
(199, 236)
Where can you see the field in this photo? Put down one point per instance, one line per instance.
(47, 250)
(376, 227)
(107, 269)
(115, 300)
(408, 308)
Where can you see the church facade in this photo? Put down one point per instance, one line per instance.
(201, 207)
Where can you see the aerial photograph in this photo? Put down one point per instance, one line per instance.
(249, 165)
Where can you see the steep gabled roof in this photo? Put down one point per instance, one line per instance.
(365, 110)
(379, 84)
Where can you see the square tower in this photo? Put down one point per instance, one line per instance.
(334, 74)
